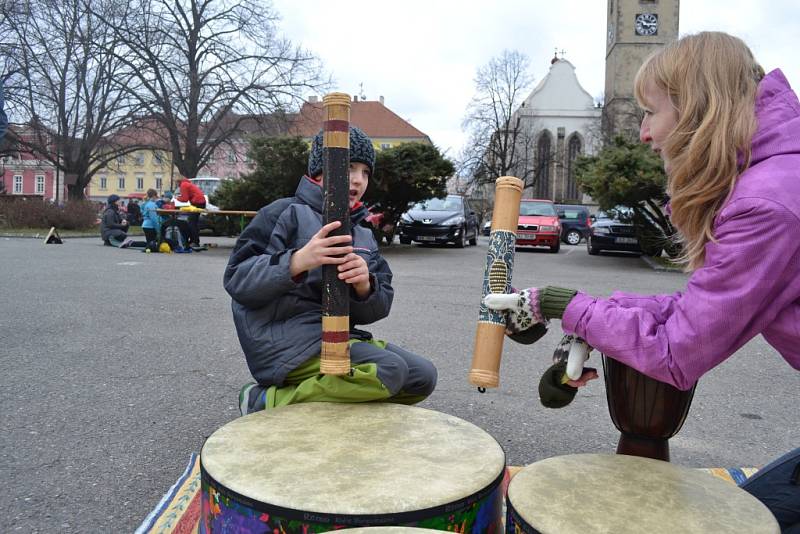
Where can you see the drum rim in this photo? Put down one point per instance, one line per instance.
(361, 520)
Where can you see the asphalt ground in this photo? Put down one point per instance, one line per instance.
(116, 365)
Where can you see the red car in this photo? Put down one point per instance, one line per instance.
(538, 225)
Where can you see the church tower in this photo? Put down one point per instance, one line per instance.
(635, 29)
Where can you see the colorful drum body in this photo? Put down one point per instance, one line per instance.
(390, 530)
(318, 467)
(645, 411)
(628, 494)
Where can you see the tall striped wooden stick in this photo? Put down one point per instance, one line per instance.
(335, 357)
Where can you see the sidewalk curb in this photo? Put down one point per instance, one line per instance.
(658, 267)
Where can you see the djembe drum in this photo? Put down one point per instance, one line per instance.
(322, 466)
(622, 494)
(645, 411)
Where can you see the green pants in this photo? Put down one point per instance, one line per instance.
(306, 384)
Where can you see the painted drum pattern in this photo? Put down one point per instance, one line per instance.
(322, 466)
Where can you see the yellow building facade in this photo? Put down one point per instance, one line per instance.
(130, 176)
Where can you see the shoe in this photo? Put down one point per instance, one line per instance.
(252, 398)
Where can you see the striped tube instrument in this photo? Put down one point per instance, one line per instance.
(335, 356)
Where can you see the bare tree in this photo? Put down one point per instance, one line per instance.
(500, 143)
(205, 67)
(64, 86)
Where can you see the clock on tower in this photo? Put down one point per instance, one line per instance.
(646, 24)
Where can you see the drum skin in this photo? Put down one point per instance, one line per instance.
(619, 494)
(318, 467)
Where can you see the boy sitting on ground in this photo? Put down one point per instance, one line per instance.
(274, 276)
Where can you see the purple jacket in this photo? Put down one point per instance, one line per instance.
(749, 283)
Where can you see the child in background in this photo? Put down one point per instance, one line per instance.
(151, 222)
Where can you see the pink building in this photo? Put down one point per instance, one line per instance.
(23, 174)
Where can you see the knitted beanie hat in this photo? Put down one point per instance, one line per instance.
(361, 150)
(112, 199)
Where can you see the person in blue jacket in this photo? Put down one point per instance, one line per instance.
(151, 221)
(274, 276)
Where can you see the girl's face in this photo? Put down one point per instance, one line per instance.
(660, 119)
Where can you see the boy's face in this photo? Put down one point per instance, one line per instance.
(359, 179)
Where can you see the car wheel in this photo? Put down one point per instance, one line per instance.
(555, 248)
(573, 237)
(593, 251)
(461, 242)
(405, 240)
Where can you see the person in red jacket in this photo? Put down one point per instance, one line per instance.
(195, 196)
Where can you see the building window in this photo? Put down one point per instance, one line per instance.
(17, 184)
(138, 159)
(121, 183)
(211, 159)
(574, 149)
(543, 158)
(158, 158)
(103, 183)
(384, 146)
(121, 160)
(140, 183)
(40, 184)
(231, 157)
(159, 182)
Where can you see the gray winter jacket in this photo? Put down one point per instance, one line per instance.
(278, 319)
(111, 225)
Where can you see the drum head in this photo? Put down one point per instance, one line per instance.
(355, 459)
(628, 494)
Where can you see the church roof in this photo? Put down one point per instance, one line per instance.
(560, 89)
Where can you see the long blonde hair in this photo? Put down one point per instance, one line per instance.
(711, 79)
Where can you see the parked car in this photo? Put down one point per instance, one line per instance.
(538, 225)
(575, 223)
(440, 220)
(609, 231)
(486, 229)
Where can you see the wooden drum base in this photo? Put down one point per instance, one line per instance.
(645, 411)
(655, 448)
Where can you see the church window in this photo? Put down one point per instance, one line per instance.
(543, 159)
(574, 150)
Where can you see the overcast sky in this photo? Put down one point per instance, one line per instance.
(421, 56)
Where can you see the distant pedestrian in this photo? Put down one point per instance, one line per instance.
(192, 194)
(113, 228)
(151, 221)
(134, 213)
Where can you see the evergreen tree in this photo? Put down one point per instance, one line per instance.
(628, 173)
